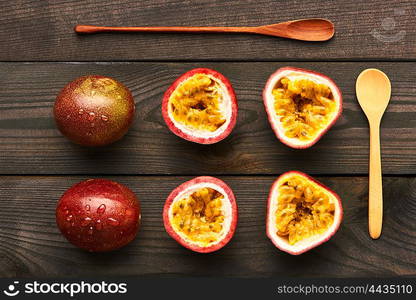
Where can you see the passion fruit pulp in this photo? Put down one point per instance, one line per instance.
(301, 105)
(98, 215)
(196, 103)
(201, 214)
(302, 213)
(94, 110)
(200, 106)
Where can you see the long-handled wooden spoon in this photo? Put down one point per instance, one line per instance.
(305, 30)
(373, 90)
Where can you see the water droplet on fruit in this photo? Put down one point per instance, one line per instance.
(87, 207)
(69, 218)
(98, 225)
(101, 209)
(66, 211)
(91, 116)
(104, 118)
(68, 117)
(89, 133)
(113, 222)
(85, 222)
(90, 230)
(81, 111)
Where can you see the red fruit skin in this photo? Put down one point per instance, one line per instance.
(186, 136)
(109, 227)
(186, 185)
(89, 113)
(317, 243)
(282, 138)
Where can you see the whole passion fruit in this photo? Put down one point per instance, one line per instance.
(301, 105)
(98, 215)
(302, 213)
(201, 214)
(200, 106)
(94, 110)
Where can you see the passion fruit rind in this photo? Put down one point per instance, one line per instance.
(210, 97)
(210, 225)
(310, 240)
(301, 105)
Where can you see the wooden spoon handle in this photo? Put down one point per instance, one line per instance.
(375, 195)
(95, 29)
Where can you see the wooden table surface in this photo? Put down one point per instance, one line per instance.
(39, 54)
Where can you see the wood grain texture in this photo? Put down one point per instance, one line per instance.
(31, 245)
(43, 30)
(30, 143)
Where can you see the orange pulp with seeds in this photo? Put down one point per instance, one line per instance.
(199, 216)
(305, 107)
(196, 103)
(303, 209)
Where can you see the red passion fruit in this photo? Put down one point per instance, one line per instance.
(94, 110)
(200, 106)
(98, 215)
(201, 214)
(301, 105)
(302, 213)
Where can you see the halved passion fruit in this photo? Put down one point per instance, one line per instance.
(301, 213)
(301, 105)
(201, 214)
(200, 106)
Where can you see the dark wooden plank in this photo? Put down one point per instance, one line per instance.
(31, 245)
(30, 143)
(42, 30)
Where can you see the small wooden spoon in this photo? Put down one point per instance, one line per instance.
(304, 30)
(373, 90)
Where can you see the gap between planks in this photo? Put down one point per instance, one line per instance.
(127, 61)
